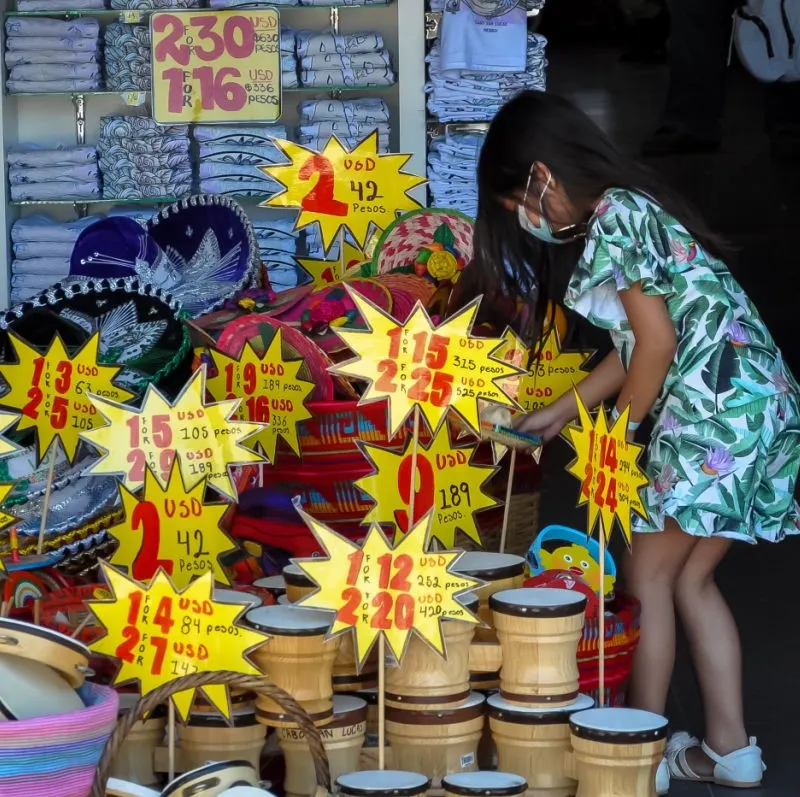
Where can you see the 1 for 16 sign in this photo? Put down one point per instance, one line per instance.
(216, 66)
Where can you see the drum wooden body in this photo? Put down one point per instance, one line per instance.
(296, 657)
(211, 780)
(425, 679)
(386, 783)
(342, 738)
(135, 759)
(297, 583)
(438, 741)
(617, 751)
(239, 701)
(534, 742)
(483, 784)
(210, 738)
(539, 630)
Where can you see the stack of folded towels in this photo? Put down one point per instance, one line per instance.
(278, 244)
(59, 5)
(42, 248)
(452, 171)
(230, 156)
(289, 79)
(127, 57)
(350, 120)
(59, 172)
(343, 59)
(145, 5)
(45, 55)
(142, 160)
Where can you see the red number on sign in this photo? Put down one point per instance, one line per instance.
(388, 371)
(395, 336)
(258, 407)
(423, 499)
(441, 389)
(38, 367)
(418, 391)
(611, 494)
(125, 649)
(138, 464)
(347, 614)
(165, 461)
(586, 487)
(420, 341)
(162, 432)
(64, 378)
(608, 453)
(215, 92)
(403, 565)
(404, 612)
(168, 48)
(160, 644)
(249, 381)
(58, 412)
(246, 29)
(30, 409)
(174, 78)
(437, 352)
(136, 603)
(320, 198)
(147, 562)
(355, 559)
(598, 493)
(164, 615)
(383, 603)
(229, 377)
(208, 34)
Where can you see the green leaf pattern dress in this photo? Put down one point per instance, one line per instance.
(725, 450)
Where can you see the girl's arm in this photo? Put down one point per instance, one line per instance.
(656, 344)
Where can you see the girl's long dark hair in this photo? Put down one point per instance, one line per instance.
(537, 126)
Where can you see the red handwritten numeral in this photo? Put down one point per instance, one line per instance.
(355, 559)
(404, 608)
(64, 378)
(388, 371)
(320, 199)
(163, 616)
(147, 562)
(383, 603)
(168, 48)
(138, 463)
(31, 409)
(125, 649)
(423, 498)
(395, 335)
(418, 391)
(347, 613)
(58, 412)
(160, 644)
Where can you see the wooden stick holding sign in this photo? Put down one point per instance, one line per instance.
(607, 466)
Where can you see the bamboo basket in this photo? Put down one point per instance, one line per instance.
(523, 525)
(250, 683)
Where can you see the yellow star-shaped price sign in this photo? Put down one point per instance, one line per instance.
(552, 373)
(171, 529)
(51, 390)
(326, 272)
(205, 439)
(607, 466)
(5, 518)
(271, 391)
(160, 633)
(446, 482)
(343, 189)
(379, 589)
(7, 419)
(418, 364)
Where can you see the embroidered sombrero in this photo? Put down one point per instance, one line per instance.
(140, 326)
(201, 250)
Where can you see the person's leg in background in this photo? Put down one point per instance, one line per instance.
(647, 29)
(697, 59)
(783, 120)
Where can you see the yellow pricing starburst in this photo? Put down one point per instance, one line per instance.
(326, 272)
(607, 466)
(446, 483)
(341, 188)
(205, 439)
(7, 419)
(418, 364)
(380, 589)
(271, 391)
(5, 518)
(51, 390)
(171, 529)
(160, 633)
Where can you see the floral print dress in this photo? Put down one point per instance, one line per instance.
(725, 450)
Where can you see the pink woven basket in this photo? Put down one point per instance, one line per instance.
(57, 756)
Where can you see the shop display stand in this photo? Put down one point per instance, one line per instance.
(46, 118)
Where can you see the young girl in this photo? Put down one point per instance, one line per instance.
(691, 351)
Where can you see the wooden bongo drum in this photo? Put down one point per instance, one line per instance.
(424, 679)
(534, 742)
(617, 751)
(239, 701)
(539, 630)
(298, 658)
(209, 737)
(369, 752)
(382, 783)
(135, 759)
(211, 780)
(248, 600)
(35, 643)
(342, 738)
(483, 784)
(438, 741)
(274, 586)
(297, 582)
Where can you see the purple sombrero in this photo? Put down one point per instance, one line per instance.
(201, 250)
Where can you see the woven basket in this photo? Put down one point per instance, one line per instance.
(249, 683)
(523, 525)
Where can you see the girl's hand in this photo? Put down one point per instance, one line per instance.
(547, 422)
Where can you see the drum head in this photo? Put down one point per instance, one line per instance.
(388, 783)
(29, 690)
(484, 784)
(490, 566)
(223, 773)
(290, 620)
(538, 602)
(619, 725)
(235, 596)
(536, 714)
(296, 576)
(271, 583)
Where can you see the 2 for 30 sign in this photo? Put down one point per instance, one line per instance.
(216, 66)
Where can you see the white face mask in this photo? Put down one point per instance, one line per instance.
(544, 232)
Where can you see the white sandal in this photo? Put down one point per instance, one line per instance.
(741, 769)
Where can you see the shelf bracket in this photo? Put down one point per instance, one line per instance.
(335, 20)
(79, 101)
(433, 19)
